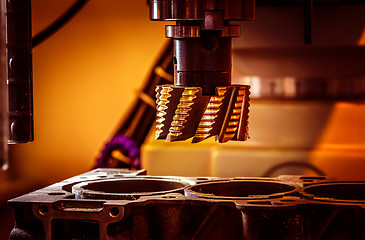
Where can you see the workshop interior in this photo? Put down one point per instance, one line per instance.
(157, 119)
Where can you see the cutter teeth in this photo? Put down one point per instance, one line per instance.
(167, 97)
(183, 112)
(162, 96)
(206, 126)
(235, 125)
(230, 125)
(243, 133)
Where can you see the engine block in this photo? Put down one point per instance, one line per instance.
(125, 204)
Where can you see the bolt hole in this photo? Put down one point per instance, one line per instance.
(202, 178)
(167, 197)
(114, 212)
(42, 209)
(287, 200)
(260, 202)
(313, 178)
(56, 193)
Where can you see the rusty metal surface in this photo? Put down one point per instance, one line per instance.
(153, 207)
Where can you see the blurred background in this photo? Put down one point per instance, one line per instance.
(86, 77)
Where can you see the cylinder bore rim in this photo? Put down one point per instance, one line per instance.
(127, 188)
(241, 189)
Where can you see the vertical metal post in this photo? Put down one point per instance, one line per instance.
(3, 90)
(308, 21)
(20, 82)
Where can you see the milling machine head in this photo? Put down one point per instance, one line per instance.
(202, 102)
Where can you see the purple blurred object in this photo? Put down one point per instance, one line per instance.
(126, 146)
(136, 125)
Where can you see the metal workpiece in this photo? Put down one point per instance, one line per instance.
(129, 188)
(337, 191)
(242, 189)
(170, 207)
(184, 112)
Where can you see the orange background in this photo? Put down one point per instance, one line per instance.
(85, 77)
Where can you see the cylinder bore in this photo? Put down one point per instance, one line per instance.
(240, 189)
(127, 188)
(339, 191)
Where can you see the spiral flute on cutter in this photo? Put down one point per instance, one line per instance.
(202, 102)
(184, 112)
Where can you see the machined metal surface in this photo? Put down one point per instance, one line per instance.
(241, 189)
(128, 188)
(170, 207)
